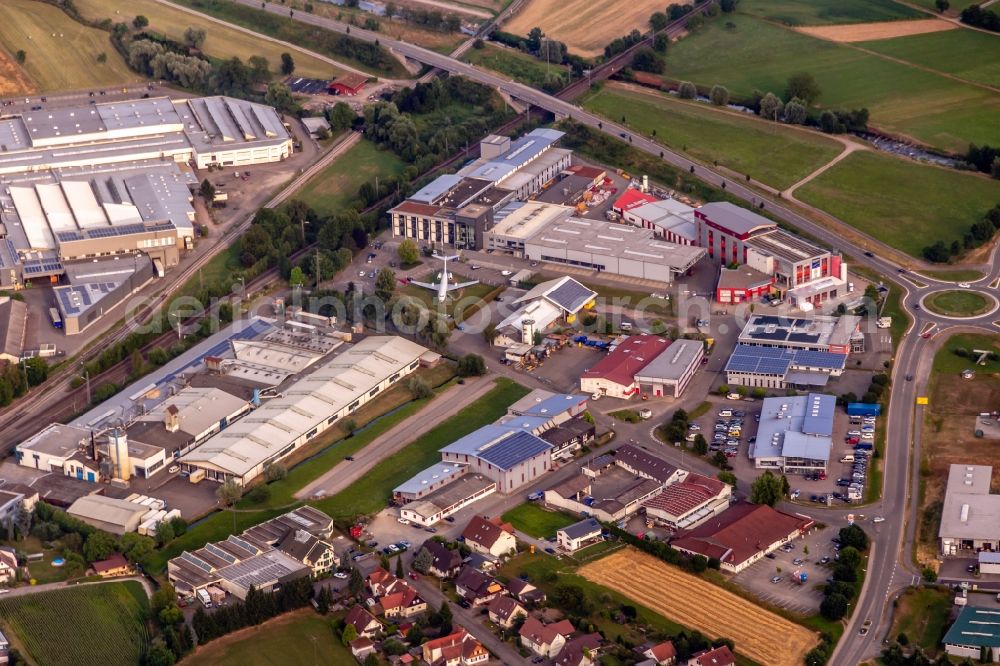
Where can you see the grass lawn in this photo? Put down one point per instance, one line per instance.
(463, 299)
(922, 614)
(946, 361)
(958, 303)
(222, 42)
(968, 54)
(93, 625)
(902, 203)
(821, 12)
(960, 275)
(299, 637)
(625, 297)
(777, 155)
(442, 42)
(371, 493)
(755, 54)
(519, 66)
(61, 54)
(336, 187)
(293, 31)
(536, 521)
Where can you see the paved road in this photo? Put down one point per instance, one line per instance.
(450, 402)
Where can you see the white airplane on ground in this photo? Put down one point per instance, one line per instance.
(444, 285)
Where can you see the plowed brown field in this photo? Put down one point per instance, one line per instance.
(759, 634)
(863, 32)
(13, 80)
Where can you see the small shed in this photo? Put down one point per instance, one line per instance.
(316, 125)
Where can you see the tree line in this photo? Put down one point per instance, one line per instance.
(978, 234)
(255, 609)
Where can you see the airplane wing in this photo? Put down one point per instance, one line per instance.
(461, 285)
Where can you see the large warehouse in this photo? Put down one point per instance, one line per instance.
(795, 433)
(839, 335)
(304, 409)
(645, 363)
(970, 518)
(103, 180)
(780, 367)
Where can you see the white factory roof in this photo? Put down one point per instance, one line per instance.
(523, 219)
(970, 511)
(56, 440)
(672, 362)
(274, 426)
(198, 409)
(106, 509)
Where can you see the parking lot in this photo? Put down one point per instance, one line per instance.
(787, 592)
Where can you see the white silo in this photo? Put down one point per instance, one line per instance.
(118, 452)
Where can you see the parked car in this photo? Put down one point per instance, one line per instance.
(340, 574)
(402, 521)
(775, 579)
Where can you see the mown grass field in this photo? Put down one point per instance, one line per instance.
(299, 637)
(372, 492)
(773, 154)
(902, 99)
(61, 53)
(519, 66)
(91, 625)
(967, 54)
(958, 303)
(922, 614)
(336, 187)
(536, 521)
(222, 41)
(435, 40)
(821, 12)
(902, 203)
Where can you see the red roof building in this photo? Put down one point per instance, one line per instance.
(348, 84)
(459, 647)
(614, 375)
(665, 654)
(720, 656)
(115, 565)
(689, 503)
(742, 534)
(632, 198)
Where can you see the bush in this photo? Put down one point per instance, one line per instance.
(687, 90)
(471, 365)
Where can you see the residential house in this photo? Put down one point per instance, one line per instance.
(489, 537)
(459, 648)
(379, 581)
(115, 565)
(504, 611)
(574, 537)
(361, 647)
(476, 587)
(8, 565)
(720, 656)
(310, 550)
(445, 562)
(664, 654)
(545, 640)
(579, 651)
(363, 621)
(402, 601)
(525, 592)
(481, 562)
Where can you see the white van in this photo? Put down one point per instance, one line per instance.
(868, 436)
(725, 412)
(733, 396)
(848, 458)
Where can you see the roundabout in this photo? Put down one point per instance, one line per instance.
(959, 303)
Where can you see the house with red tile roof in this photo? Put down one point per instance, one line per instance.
(580, 651)
(402, 601)
(504, 611)
(545, 640)
(689, 503)
(364, 622)
(459, 648)
(361, 647)
(742, 534)
(379, 581)
(720, 656)
(115, 565)
(664, 654)
(489, 537)
(614, 375)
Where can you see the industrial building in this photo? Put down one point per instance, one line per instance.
(116, 516)
(975, 635)
(779, 367)
(690, 502)
(742, 285)
(306, 408)
(837, 335)
(13, 326)
(970, 518)
(546, 303)
(669, 373)
(742, 535)
(669, 219)
(645, 364)
(456, 210)
(803, 273)
(510, 456)
(447, 499)
(795, 434)
(264, 557)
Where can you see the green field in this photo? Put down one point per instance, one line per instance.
(372, 492)
(301, 637)
(336, 187)
(955, 6)
(902, 203)
(923, 614)
(778, 156)
(519, 66)
(958, 303)
(222, 41)
(960, 275)
(822, 12)
(967, 54)
(536, 521)
(292, 31)
(902, 99)
(948, 363)
(99, 625)
(61, 54)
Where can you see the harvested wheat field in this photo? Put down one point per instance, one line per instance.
(864, 32)
(759, 634)
(13, 80)
(585, 26)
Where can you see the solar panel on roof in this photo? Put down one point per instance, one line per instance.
(196, 561)
(242, 543)
(218, 552)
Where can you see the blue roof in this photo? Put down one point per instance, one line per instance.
(987, 557)
(752, 359)
(818, 418)
(798, 445)
(796, 427)
(499, 445)
(556, 404)
(522, 151)
(526, 422)
(864, 409)
(975, 626)
(432, 474)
